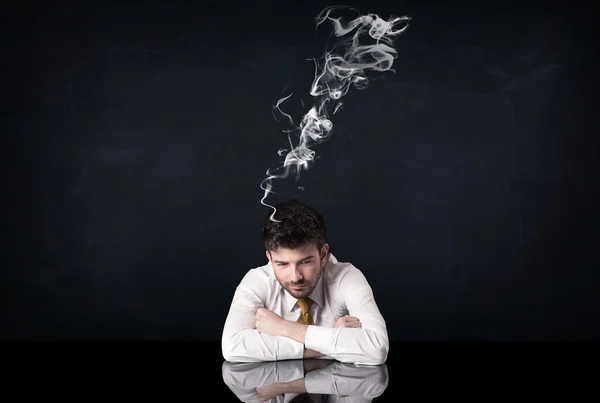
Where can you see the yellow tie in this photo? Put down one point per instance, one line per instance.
(305, 304)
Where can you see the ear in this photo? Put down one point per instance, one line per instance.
(324, 254)
(268, 255)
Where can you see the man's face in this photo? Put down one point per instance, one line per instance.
(299, 270)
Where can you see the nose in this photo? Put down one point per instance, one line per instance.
(296, 275)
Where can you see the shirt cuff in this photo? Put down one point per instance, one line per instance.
(289, 349)
(290, 370)
(319, 382)
(319, 339)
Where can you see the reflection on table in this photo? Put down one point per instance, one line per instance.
(296, 381)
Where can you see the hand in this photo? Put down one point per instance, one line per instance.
(268, 322)
(268, 392)
(347, 321)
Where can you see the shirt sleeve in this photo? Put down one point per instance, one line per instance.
(367, 345)
(243, 378)
(345, 379)
(240, 341)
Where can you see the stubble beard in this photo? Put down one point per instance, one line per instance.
(304, 293)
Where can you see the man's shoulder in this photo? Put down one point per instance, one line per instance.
(337, 270)
(258, 274)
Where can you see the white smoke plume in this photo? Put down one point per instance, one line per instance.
(345, 65)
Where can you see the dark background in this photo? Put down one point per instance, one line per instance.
(136, 137)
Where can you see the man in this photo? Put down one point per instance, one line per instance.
(303, 303)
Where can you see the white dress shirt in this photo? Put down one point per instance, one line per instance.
(342, 290)
(338, 382)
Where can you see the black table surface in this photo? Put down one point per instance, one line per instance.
(181, 368)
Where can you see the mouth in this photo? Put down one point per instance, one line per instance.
(298, 287)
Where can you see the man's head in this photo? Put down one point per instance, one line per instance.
(296, 246)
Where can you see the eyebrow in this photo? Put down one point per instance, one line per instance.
(301, 260)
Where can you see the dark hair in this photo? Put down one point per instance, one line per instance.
(297, 224)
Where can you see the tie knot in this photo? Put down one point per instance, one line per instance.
(305, 304)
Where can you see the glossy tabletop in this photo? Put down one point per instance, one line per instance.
(312, 380)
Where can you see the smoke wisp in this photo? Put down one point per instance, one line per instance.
(365, 44)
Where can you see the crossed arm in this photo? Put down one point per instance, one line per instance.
(268, 322)
(253, 333)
